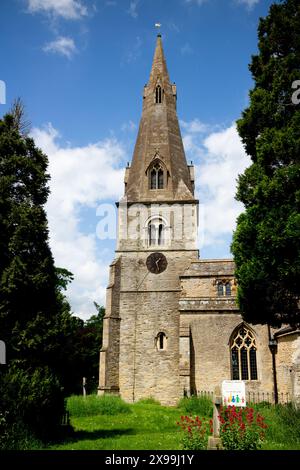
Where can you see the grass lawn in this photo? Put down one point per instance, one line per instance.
(113, 425)
(146, 426)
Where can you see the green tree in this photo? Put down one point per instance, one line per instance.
(48, 349)
(91, 342)
(27, 274)
(33, 314)
(266, 243)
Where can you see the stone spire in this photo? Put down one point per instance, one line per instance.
(159, 142)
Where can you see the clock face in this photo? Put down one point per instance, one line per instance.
(156, 263)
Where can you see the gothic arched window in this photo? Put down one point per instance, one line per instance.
(161, 341)
(243, 354)
(156, 232)
(223, 288)
(227, 288)
(220, 290)
(158, 94)
(157, 177)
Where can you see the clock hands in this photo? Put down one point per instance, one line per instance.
(156, 262)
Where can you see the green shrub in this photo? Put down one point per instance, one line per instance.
(194, 405)
(32, 403)
(95, 405)
(14, 435)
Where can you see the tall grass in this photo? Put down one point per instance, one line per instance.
(283, 424)
(202, 405)
(95, 405)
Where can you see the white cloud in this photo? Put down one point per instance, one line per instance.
(220, 158)
(67, 9)
(62, 45)
(133, 8)
(217, 175)
(194, 126)
(80, 178)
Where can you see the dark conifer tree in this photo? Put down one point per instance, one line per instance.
(33, 318)
(266, 244)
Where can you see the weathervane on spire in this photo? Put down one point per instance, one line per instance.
(158, 26)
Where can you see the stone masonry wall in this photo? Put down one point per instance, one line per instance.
(210, 352)
(149, 305)
(288, 367)
(109, 353)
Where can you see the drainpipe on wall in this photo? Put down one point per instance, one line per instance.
(273, 349)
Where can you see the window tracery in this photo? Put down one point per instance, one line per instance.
(243, 354)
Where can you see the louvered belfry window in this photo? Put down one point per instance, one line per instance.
(157, 177)
(158, 94)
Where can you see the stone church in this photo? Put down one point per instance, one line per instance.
(172, 326)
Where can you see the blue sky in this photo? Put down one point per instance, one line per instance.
(80, 67)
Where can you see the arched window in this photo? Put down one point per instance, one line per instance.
(160, 234)
(161, 341)
(227, 288)
(156, 232)
(157, 177)
(160, 179)
(243, 354)
(220, 290)
(153, 179)
(223, 288)
(158, 94)
(152, 234)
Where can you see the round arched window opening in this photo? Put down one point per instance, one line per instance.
(156, 232)
(161, 341)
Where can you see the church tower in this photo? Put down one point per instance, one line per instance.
(157, 229)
